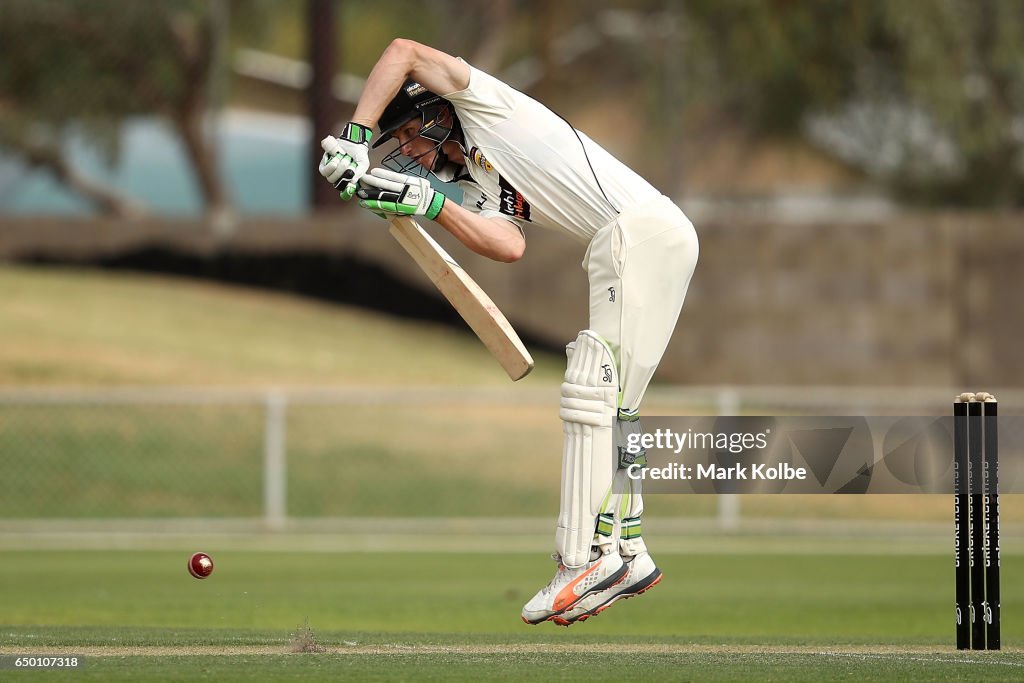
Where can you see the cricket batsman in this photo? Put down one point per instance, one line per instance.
(519, 165)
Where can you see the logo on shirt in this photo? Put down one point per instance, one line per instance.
(480, 160)
(511, 202)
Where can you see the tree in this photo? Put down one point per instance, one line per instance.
(86, 65)
(320, 101)
(962, 61)
(926, 96)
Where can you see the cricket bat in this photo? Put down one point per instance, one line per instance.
(465, 296)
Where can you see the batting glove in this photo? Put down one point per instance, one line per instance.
(347, 158)
(387, 192)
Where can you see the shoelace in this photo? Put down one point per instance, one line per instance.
(561, 568)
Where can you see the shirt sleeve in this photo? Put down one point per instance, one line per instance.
(485, 101)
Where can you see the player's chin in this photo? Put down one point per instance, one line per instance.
(427, 161)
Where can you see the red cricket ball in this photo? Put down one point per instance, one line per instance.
(200, 565)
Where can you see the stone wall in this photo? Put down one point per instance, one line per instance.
(919, 298)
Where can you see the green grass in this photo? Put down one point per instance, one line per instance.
(108, 461)
(395, 616)
(591, 665)
(466, 458)
(129, 460)
(76, 327)
(68, 326)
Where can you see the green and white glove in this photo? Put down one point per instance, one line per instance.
(387, 192)
(346, 158)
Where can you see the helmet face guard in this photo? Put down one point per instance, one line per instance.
(430, 129)
(412, 101)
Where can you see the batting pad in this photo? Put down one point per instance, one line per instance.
(588, 409)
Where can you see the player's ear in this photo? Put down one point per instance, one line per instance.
(446, 116)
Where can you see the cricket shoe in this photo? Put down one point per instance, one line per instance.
(572, 584)
(641, 575)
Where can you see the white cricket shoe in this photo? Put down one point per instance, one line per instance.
(570, 585)
(641, 575)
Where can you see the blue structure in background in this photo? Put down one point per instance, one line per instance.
(263, 159)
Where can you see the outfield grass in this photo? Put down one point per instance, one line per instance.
(69, 326)
(77, 327)
(763, 616)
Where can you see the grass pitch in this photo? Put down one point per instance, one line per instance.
(400, 616)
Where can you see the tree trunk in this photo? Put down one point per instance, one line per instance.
(202, 155)
(320, 101)
(196, 51)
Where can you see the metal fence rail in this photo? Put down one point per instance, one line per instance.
(274, 455)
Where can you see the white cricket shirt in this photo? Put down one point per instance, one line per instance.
(530, 166)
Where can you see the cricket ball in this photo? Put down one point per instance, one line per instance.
(200, 565)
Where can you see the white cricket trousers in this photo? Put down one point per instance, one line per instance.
(639, 267)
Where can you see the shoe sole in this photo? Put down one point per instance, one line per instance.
(612, 581)
(649, 582)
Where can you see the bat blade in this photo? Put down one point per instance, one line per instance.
(465, 296)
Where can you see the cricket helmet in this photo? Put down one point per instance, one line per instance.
(414, 101)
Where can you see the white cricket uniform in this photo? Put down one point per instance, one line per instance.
(530, 166)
